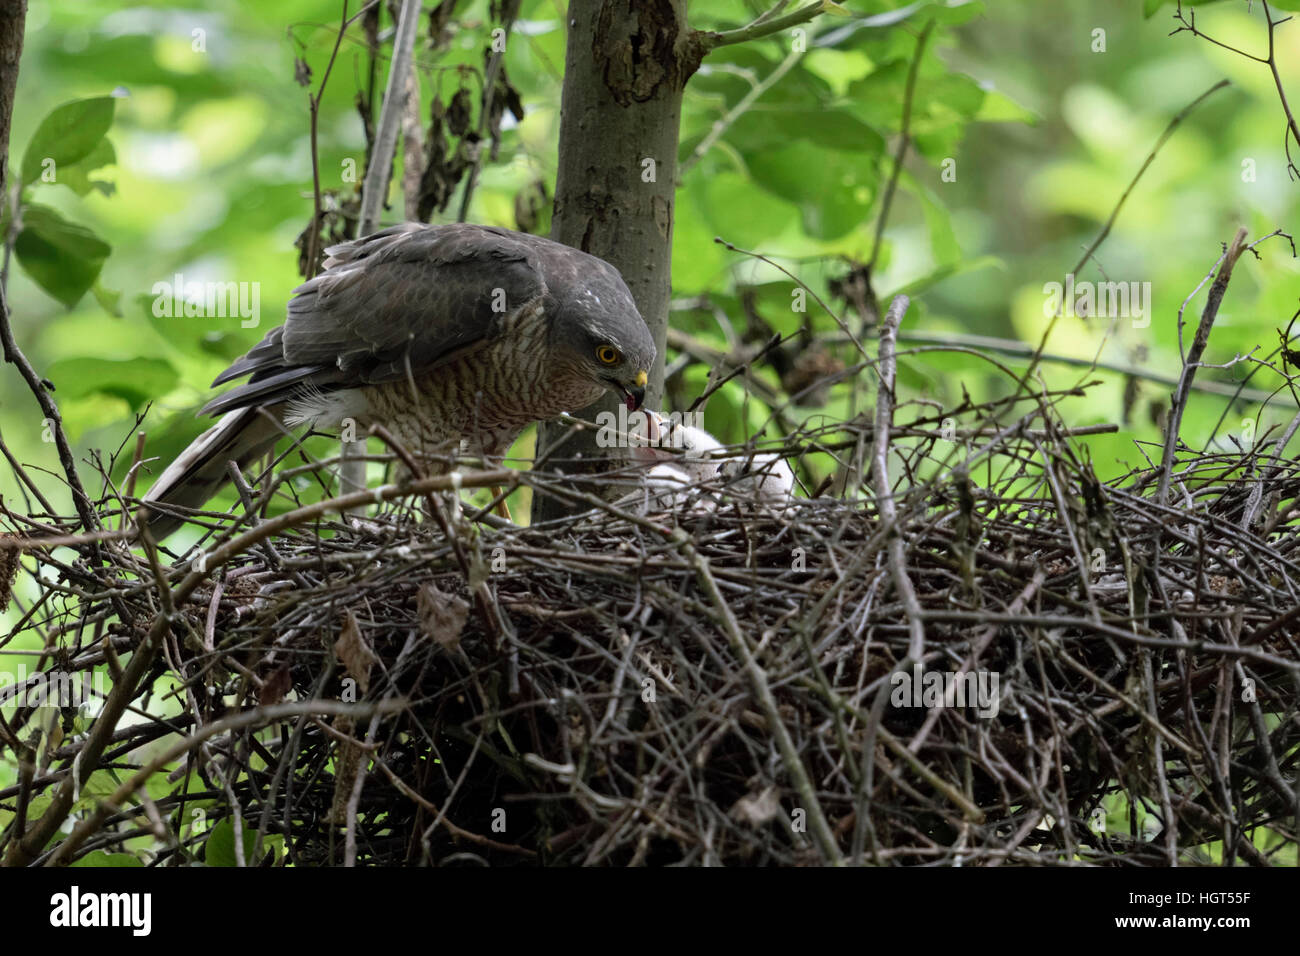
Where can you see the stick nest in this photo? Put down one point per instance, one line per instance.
(719, 681)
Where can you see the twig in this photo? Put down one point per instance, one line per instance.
(1146, 163)
(721, 126)
(313, 109)
(257, 717)
(764, 25)
(904, 141)
(1178, 402)
(1270, 60)
(509, 12)
(41, 389)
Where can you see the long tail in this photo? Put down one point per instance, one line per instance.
(202, 469)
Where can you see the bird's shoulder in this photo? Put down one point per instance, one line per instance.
(412, 294)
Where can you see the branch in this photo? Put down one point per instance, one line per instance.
(758, 683)
(904, 140)
(1105, 230)
(1017, 349)
(508, 14)
(380, 170)
(1293, 129)
(13, 17)
(884, 492)
(737, 111)
(41, 389)
(1179, 400)
(764, 26)
(24, 851)
(257, 717)
(1281, 91)
(1164, 137)
(313, 108)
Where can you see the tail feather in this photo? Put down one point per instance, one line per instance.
(201, 470)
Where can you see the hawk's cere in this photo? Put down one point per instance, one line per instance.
(444, 335)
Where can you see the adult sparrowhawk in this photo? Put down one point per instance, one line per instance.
(450, 337)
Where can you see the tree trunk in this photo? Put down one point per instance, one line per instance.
(13, 17)
(624, 72)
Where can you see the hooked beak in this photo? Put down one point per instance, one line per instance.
(633, 396)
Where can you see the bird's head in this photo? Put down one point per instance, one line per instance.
(617, 359)
(606, 339)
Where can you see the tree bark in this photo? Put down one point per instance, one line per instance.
(625, 68)
(13, 18)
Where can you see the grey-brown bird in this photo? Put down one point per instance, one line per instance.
(454, 338)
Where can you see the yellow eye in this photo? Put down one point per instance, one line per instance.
(607, 354)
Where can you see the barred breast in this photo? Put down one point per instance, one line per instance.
(485, 399)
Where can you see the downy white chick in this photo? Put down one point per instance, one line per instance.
(685, 455)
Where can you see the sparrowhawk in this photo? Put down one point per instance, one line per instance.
(450, 337)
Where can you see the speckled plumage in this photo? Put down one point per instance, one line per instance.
(441, 334)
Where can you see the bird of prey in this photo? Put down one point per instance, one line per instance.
(451, 337)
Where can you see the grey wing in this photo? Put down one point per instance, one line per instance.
(409, 297)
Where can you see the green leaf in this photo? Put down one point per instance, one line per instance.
(766, 128)
(219, 847)
(67, 135)
(62, 258)
(943, 241)
(110, 300)
(947, 271)
(1000, 108)
(833, 190)
(1151, 7)
(76, 176)
(137, 381)
(101, 858)
(739, 211)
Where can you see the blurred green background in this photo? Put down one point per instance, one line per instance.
(1038, 129)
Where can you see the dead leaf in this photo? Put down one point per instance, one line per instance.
(9, 565)
(354, 652)
(276, 686)
(442, 615)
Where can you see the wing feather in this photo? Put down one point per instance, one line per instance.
(412, 295)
